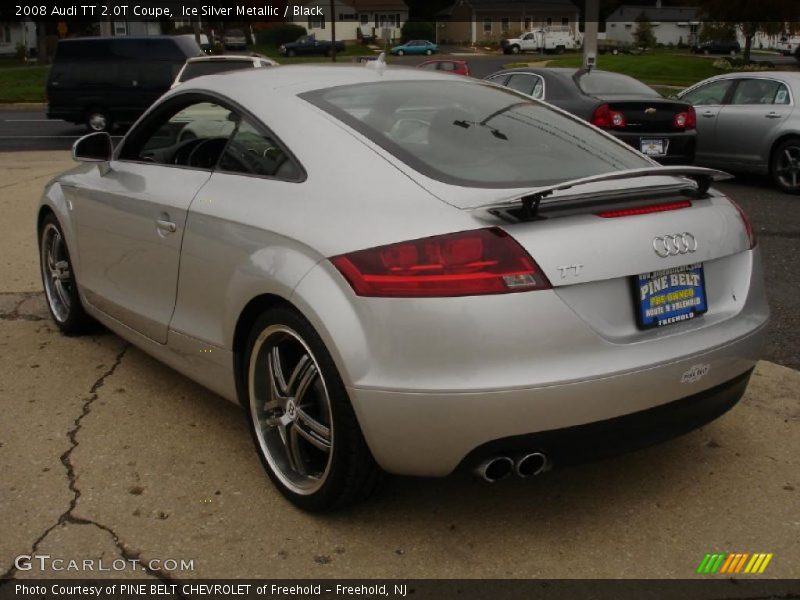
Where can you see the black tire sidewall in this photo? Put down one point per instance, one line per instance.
(348, 441)
(774, 163)
(77, 321)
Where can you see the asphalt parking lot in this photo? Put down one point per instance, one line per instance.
(106, 453)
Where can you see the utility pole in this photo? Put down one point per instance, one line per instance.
(196, 27)
(590, 34)
(333, 32)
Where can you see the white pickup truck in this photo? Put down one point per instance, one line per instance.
(788, 45)
(549, 40)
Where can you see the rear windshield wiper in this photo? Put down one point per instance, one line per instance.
(532, 199)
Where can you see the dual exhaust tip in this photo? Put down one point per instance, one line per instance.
(499, 467)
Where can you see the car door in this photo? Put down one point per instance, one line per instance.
(708, 100)
(528, 41)
(130, 215)
(748, 124)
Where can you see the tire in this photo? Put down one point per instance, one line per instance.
(515, 49)
(58, 278)
(400, 53)
(785, 166)
(429, 52)
(313, 451)
(98, 120)
(291, 53)
(615, 52)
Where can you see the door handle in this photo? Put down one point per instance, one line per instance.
(166, 226)
(708, 114)
(772, 115)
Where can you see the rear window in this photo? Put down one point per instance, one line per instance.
(211, 67)
(474, 134)
(613, 84)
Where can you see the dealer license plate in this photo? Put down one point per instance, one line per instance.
(657, 147)
(670, 296)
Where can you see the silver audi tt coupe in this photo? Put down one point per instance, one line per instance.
(402, 271)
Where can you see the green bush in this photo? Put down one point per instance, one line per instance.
(418, 30)
(279, 34)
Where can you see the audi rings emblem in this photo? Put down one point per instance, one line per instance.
(675, 244)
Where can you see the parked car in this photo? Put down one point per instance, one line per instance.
(234, 39)
(750, 122)
(307, 45)
(211, 65)
(552, 40)
(718, 47)
(456, 67)
(788, 45)
(415, 47)
(623, 106)
(524, 292)
(102, 81)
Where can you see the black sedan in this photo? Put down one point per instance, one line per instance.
(718, 47)
(625, 107)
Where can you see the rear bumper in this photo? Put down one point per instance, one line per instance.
(430, 434)
(602, 439)
(680, 146)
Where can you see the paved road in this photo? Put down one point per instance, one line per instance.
(32, 130)
(105, 453)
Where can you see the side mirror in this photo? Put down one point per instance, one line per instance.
(95, 147)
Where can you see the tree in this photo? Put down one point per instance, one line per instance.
(644, 36)
(749, 17)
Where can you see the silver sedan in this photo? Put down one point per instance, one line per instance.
(404, 271)
(750, 122)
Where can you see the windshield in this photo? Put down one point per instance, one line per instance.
(474, 134)
(210, 67)
(613, 84)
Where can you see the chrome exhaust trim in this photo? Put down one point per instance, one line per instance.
(494, 469)
(531, 464)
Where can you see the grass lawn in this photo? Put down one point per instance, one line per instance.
(654, 69)
(22, 83)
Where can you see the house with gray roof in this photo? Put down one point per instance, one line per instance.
(671, 24)
(485, 21)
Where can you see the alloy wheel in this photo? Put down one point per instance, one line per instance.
(98, 121)
(56, 273)
(787, 167)
(291, 410)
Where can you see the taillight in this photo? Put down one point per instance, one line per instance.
(686, 119)
(644, 210)
(748, 226)
(605, 117)
(469, 263)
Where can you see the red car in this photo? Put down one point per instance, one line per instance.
(457, 67)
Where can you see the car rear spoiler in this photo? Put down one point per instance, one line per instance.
(531, 199)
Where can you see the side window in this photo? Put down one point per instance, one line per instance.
(252, 152)
(527, 84)
(447, 66)
(190, 136)
(429, 66)
(538, 89)
(782, 95)
(498, 79)
(709, 94)
(755, 91)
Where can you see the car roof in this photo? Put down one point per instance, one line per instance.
(791, 78)
(221, 58)
(298, 79)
